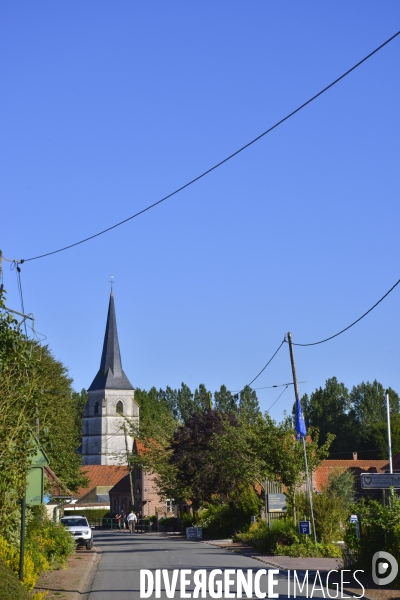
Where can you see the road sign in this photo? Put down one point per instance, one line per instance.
(370, 481)
(194, 533)
(354, 519)
(34, 487)
(304, 527)
(276, 503)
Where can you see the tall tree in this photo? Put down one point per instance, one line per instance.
(249, 408)
(368, 411)
(224, 400)
(328, 410)
(202, 398)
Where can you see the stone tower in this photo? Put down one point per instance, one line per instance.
(110, 399)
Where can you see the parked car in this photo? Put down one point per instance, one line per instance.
(80, 529)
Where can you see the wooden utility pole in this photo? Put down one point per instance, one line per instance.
(297, 397)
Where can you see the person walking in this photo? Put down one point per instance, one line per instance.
(132, 519)
(118, 517)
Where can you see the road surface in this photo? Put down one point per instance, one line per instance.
(123, 556)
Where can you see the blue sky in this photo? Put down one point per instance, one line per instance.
(106, 107)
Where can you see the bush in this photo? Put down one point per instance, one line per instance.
(308, 550)
(222, 521)
(11, 588)
(330, 512)
(380, 531)
(90, 513)
(259, 535)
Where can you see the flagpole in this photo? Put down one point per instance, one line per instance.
(297, 395)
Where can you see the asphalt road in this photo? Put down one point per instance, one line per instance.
(123, 556)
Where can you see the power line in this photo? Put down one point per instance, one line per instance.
(281, 394)
(270, 360)
(219, 164)
(268, 387)
(351, 325)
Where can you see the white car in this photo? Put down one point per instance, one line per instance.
(80, 530)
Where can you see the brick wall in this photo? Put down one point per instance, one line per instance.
(147, 497)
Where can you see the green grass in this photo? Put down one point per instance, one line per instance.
(11, 589)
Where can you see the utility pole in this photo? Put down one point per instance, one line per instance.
(297, 397)
(388, 432)
(129, 469)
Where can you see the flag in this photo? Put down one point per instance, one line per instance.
(300, 426)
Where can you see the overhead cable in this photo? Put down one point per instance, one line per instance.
(354, 322)
(219, 164)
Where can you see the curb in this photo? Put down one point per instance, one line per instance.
(271, 564)
(86, 579)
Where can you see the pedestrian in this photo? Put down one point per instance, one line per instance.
(132, 519)
(118, 517)
(123, 519)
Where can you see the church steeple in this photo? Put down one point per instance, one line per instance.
(111, 375)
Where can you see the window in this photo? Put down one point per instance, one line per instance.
(120, 407)
(96, 408)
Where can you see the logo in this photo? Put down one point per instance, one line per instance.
(384, 563)
(367, 480)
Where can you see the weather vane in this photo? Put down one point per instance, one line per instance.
(112, 280)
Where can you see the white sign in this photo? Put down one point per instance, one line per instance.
(371, 481)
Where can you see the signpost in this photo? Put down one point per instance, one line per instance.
(354, 519)
(304, 527)
(194, 533)
(371, 481)
(34, 494)
(276, 503)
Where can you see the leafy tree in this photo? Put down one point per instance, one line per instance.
(196, 466)
(202, 398)
(249, 408)
(184, 402)
(328, 410)
(224, 400)
(342, 484)
(59, 417)
(368, 410)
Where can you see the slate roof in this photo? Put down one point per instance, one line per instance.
(111, 375)
(101, 475)
(122, 487)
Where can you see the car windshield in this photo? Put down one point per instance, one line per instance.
(74, 522)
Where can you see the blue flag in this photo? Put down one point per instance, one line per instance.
(300, 427)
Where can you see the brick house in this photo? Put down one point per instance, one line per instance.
(148, 500)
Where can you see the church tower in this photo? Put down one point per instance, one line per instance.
(110, 399)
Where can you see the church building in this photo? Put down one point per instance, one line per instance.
(110, 399)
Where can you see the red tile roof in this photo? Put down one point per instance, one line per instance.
(356, 466)
(101, 475)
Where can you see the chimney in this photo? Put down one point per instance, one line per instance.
(355, 456)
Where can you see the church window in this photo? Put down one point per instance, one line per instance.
(120, 407)
(96, 408)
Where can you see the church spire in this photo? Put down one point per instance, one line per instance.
(111, 375)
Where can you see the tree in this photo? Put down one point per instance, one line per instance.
(202, 398)
(193, 456)
(368, 411)
(249, 408)
(328, 410)
(224, 400)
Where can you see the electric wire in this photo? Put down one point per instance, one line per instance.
(269, 362)
(351, 325)
(219, 164)
(281, 394)
(18, 271)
